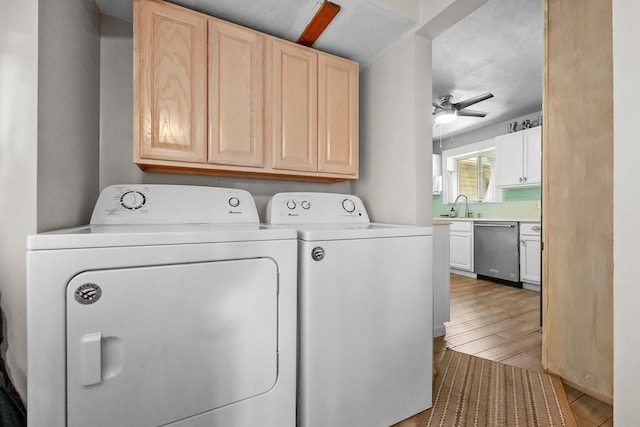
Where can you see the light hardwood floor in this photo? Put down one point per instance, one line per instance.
(502, 323)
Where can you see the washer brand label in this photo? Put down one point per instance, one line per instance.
(317, 253)
(88, 293)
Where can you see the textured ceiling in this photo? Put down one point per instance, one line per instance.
(497, 49)
(361, 32)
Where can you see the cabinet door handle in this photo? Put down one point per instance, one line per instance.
(520, 179)
(535, 228)
(525, 179)
(522, 242)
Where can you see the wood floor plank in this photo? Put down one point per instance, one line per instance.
(482, 344)
(583, 422)
(510, 348)
(529, 359)
(572, 393)
(592, 409)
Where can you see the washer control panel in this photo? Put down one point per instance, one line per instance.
(315, 208)
(173, 204)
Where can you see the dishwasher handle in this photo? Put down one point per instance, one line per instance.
(495, 225)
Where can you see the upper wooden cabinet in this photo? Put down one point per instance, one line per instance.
(211, 97)
(314, 110)
(235, 95)
(294, 103)
(337, 115)
(170, 83)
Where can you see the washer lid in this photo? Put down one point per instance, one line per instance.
(97, 236)
(315, 232)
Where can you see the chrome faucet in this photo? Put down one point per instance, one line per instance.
(466, 204)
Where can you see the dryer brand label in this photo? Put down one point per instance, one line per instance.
(317, 253)
(88, 293)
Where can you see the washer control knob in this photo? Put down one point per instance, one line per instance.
(234, 202)
(133, 200)
(348, 205)
(291, 204)
(305, 204)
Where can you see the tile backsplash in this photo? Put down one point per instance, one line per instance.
(517, 203)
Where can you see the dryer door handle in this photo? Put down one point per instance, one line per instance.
(91, 359)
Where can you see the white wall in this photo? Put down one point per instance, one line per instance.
(487, 132)
(439, 15)
(18, 172)
(49, 72)
(116, 129)
(68, 112)
(626, 86)
(395, 135)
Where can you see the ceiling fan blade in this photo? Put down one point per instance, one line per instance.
(464, 104)
(471, 113)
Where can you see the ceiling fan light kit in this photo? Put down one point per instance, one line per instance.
(445, 116)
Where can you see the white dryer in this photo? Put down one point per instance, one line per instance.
(365, 312)
(174, 307)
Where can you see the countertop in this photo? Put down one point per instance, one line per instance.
(449, 219)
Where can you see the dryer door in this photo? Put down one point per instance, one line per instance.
(153, 345)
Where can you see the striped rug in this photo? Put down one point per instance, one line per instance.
(470, 391)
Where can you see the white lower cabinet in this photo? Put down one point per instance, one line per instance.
(461, 245)
(530, 255)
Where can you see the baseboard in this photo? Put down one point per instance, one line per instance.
(439, 331)
(463, 273)
(531, 286)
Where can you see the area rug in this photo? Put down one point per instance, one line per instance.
(470, 391)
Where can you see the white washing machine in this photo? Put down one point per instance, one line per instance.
(365, 312)
(174, 307)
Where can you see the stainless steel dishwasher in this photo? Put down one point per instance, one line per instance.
(496, 250)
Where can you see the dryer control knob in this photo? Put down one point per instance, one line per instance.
(133, 200)
(348, 205)
(234, 202)
(291, 204)
(305, 204)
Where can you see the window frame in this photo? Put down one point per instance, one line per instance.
(467, 150)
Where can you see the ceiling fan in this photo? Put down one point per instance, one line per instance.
(447, 111)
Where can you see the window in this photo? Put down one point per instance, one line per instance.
(474, 174)
(469, 171)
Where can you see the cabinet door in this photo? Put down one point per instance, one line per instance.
(170, 83)
(533, 156)
(235, 95)
(530, 259)
(337, 115)
(461, 251)
(509, 156)
(295, 107)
